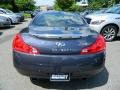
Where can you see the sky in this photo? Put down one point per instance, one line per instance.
(44, 2)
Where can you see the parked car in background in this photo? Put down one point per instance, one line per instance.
(107, 24)
(86, 12)
(102, 10)
(58, 46)
(13, 17)
(19, 15)
(29, 12)
(4, 21)
(34, 13)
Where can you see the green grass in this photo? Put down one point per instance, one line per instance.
(26, 15)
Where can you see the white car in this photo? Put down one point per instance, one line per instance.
(107, 24)
(13, 17)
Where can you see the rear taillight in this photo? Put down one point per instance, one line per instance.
(98, 46)
(20, 45)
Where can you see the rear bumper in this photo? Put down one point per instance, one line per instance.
(42, 66)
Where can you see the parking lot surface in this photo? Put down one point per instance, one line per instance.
(10, 79)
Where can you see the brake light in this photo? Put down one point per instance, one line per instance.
(20, 45)
(98, 46)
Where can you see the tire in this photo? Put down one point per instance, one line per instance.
(36, 80)
(109, 32)
(33, 79)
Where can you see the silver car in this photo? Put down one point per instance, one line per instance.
(20, 16)
(107, 24)
(13, 17)
(4, 22)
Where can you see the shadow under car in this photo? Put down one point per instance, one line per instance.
(96, 81)
(5, 28)
(117, 38)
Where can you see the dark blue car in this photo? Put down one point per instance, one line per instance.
(58, 46)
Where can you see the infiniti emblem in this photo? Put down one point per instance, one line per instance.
(60, 44)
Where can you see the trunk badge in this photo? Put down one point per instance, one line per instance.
(60, 44)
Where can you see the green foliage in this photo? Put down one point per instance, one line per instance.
(25, 4)
(18, 5)
(112, 2)
(26, 15)
(96, 4)
(117, 1)
(6, 6)
(56, 6)
(65, 5)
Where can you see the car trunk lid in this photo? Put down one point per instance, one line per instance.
(60, 41)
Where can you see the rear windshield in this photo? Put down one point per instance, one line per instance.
(58, 20)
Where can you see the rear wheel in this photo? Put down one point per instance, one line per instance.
(33, 79)
(38, 80)
(109, 32)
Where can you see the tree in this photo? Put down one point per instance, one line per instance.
(12, 3)
(20, 4)
(102, 3)
(96, 4)
(117, 1)
(65, 5)
(56, 6)
(25, 4)
(14, 6)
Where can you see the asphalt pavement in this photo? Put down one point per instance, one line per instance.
(10, 79)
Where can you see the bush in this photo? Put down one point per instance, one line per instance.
(6, 6)
(26, 15)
